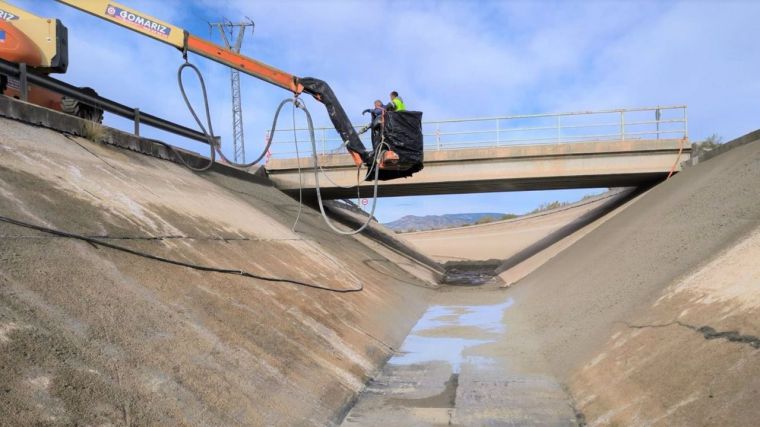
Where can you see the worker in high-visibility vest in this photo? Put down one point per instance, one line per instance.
(396, 104)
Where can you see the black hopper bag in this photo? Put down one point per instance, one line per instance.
(403, 135)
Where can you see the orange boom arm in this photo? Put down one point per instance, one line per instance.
(247, 65)
(181, 39)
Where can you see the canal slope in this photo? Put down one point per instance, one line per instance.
(652, 317)
(94, 335)
(506, 239)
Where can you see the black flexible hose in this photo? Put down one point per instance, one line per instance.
(208, 130)
(209, 135)
(212, 269)
(378, 153)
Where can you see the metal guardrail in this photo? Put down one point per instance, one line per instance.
(19, 72)
(660, 122)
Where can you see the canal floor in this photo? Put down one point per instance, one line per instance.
(459, 366)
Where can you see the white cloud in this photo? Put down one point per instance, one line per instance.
(698, 53)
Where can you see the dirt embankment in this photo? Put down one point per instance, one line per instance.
(653, 317)
(90, 335)
(505, 239)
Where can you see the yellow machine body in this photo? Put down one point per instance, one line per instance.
(132, 19)
(48, 35)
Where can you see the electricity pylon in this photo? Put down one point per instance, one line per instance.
(228, 31)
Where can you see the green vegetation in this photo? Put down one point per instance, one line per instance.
(93, 131)
(557, 204)
(484, 220)
(710, 143)
(549, 206)
(488, 218)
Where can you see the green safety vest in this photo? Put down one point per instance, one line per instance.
(399, 104)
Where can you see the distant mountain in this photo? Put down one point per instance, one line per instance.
(433, 222)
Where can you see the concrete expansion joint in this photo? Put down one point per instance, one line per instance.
(71, 137)
(390, 348)
(708, 332)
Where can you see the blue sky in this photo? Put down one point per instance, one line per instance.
(448, 59)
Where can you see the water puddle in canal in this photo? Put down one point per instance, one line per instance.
(445, 332)
(455, 368)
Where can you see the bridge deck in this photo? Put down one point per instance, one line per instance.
(510, 168)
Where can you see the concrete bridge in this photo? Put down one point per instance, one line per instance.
(515, 168)
(577, 150)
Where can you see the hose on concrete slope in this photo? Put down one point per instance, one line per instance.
(98, 242)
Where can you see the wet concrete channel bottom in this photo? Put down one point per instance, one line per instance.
(453, 369)
(470, 273)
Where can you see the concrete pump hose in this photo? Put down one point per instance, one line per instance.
(208, 130)
(313, 139)
(209, 135)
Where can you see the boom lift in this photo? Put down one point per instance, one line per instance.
(41, 44)
(400, 158)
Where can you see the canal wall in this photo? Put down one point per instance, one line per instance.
(651, 318)
(179, 297)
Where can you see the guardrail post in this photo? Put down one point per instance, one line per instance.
(498, 131)
(559, 129)
(657, 116)
(685, 124)
(324, 142)
(23, 82)
(137, 121)
(438, 136)
(622, 125)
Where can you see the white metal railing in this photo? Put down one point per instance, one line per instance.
(661, 122)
